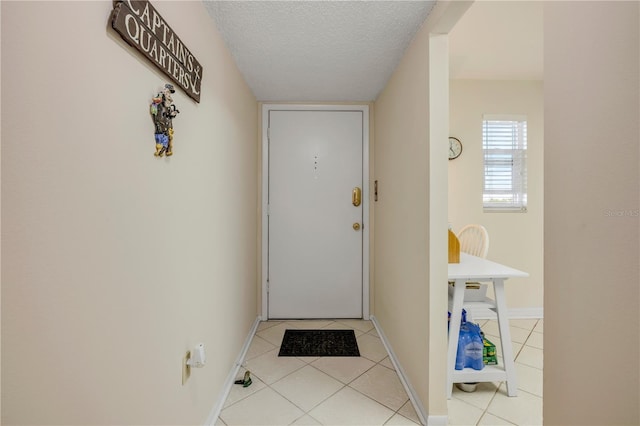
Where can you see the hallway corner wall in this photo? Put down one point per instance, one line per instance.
(401, 166)
(115, 263)
(411, 116)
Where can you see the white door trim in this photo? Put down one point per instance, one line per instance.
(365, 192)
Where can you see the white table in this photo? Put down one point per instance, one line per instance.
(476, 269)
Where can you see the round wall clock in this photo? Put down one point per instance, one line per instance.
(455, 148)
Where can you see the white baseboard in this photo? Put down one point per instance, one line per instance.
(514, 313)
(217, 408)
(438, 421)
(413, 396)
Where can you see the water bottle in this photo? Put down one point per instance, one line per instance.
(474, 347)
(470, 346)
(463, 340)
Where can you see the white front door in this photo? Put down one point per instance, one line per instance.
(315, 236)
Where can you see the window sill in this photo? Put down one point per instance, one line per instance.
(504, 210)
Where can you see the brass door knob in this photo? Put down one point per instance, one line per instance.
(356, 226)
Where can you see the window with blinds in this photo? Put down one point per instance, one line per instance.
(504, 145)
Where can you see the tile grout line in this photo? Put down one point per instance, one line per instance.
(344, 385)
(305, 412)
(376, 363)
(373, 366)
(486, 410)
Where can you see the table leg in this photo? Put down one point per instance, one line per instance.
(505, 337)
(454, 332)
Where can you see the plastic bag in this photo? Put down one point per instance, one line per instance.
(470, 347)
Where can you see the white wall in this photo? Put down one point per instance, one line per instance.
(592, 138)
(410, 214)
(115, 263)
(401, 258)
(515, 238)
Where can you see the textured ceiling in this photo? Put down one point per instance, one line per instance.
(347, 50)
(317, 50)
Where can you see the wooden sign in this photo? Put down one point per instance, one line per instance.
(142, 27)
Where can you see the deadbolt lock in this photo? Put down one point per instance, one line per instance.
(356, 196)
(356, 226)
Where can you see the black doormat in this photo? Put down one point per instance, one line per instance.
(319, 343)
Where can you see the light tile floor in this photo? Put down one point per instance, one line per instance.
(489, 404)
(367, 390)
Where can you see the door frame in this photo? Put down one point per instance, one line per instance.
(365, 193)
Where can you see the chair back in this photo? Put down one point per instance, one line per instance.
(474, 240)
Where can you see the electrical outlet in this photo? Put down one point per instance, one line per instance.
(186, 369)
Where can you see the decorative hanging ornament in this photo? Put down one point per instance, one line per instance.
(164, 111)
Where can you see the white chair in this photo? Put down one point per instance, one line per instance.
(474, 239)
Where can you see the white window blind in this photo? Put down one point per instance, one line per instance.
(504, 144)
